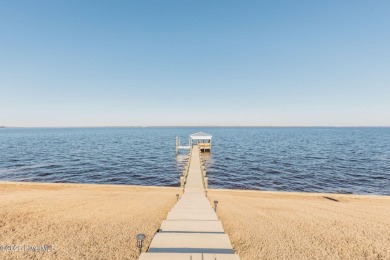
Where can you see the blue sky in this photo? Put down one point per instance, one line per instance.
(257, 63)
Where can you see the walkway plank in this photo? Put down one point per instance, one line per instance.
(191, 243)
(191, 226)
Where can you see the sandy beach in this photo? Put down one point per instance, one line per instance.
(284, 225)
(80, 221)
(100, 221)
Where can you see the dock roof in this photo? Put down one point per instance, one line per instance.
(200, 136)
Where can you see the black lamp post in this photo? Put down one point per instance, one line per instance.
(140, 239)
(177, 197)
(215, 205)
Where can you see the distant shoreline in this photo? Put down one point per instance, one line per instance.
(75, 127)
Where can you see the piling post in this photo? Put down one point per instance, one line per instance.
(177, 145)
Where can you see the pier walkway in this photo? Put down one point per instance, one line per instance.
(191, 230)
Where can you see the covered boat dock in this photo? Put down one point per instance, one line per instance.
(202, 139)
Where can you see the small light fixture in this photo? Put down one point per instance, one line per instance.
(205, 192)
(140, 239)
(177, 197)
(215, 205)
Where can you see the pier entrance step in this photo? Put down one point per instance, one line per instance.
(186, 256)
(210, 243)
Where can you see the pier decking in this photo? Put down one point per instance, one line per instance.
(192, 229)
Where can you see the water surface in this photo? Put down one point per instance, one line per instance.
(339, 160)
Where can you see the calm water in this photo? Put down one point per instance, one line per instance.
(340, 160)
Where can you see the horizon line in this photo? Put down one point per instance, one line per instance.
(206, 126)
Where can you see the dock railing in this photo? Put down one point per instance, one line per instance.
(183, 178)
(203, 170)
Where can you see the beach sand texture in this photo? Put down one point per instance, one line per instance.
(277, 225)
(81, 221)
(100, 221)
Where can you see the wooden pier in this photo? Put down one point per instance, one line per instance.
(191, 230)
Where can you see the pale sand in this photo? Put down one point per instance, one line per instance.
(276, 225)
(81, 221)
(100, 221)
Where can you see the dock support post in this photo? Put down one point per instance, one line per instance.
(177, 145)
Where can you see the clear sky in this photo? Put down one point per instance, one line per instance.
(131, 63)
